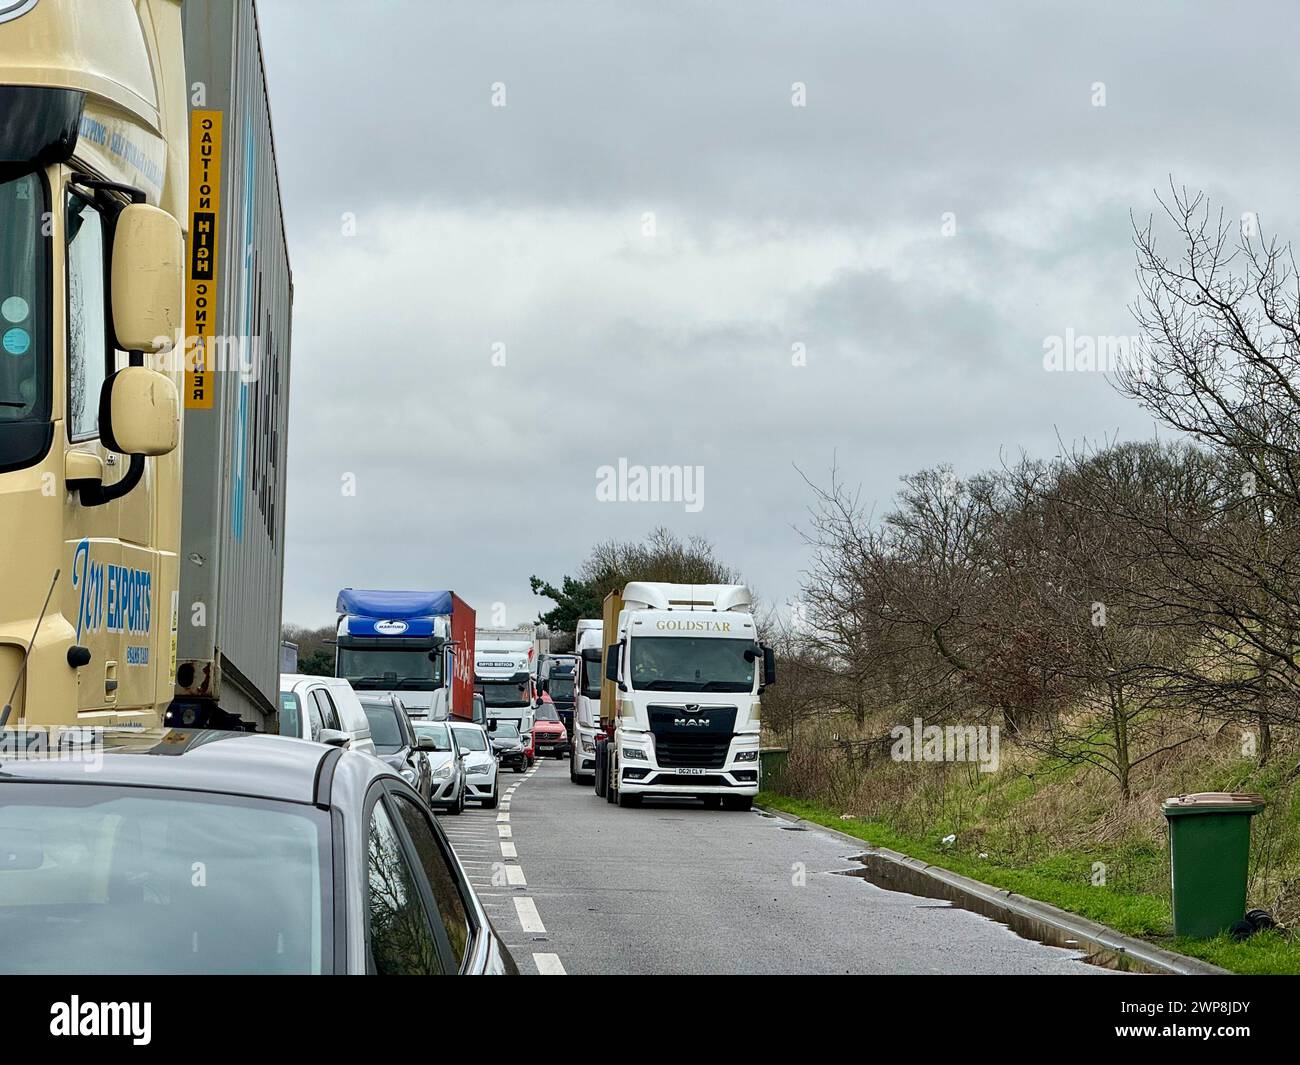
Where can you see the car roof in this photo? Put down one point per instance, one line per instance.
(292, 680)
(235, 763)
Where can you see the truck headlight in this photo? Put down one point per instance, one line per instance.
(746, 756)
(635, 754)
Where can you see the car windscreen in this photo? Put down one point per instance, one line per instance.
(546, 712)
(385, 729)
(441, 740)
(127, 880)
(470, 738)
(505, 730)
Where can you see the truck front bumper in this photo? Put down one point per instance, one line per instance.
(637, 779)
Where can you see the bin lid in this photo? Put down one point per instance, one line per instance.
(1205, 802)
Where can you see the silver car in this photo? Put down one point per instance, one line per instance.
(480, 763)
(446, 767)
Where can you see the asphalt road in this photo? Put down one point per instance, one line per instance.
(575, 885)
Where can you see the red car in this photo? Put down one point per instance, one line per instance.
(549, 734)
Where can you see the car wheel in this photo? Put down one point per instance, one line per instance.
(737, 802)
(490, 803)
(459, 804)
(711, 802)
(625, 800)
(573, 770)
(519, 768)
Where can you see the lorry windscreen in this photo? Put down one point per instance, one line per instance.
(561, 688)
(381, 669)
(691, 663)
(591, 679)
(24, 360)
(503, 693)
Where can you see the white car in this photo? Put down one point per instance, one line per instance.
(325, 709)
(480, 762)
(446, 767)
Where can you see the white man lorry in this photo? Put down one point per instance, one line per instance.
(144, 318)
(589, 646)
(683, 673)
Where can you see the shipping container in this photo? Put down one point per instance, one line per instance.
(239, 303)
(613, 606)
(462, 659)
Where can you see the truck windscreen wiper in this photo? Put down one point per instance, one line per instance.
(670, 686)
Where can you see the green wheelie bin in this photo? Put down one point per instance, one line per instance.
(1209, 847)
(772, 766)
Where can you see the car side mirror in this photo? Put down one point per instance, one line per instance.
(332, 737)
(425, 743)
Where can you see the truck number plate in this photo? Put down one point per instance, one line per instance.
(692, 772)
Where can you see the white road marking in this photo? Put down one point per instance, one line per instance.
(508, 850)
(529, 919)
(503, 817)
(504, 831)
(515, 876)
(549, 965)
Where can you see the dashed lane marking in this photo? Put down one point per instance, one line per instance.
(529, 919)
(549, 965)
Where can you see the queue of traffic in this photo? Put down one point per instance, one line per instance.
(245, 818)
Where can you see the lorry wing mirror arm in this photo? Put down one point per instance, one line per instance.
(93, 493)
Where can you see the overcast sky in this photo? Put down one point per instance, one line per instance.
(650, 225)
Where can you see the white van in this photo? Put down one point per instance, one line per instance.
(312, 705)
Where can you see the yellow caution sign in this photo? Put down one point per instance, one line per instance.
(201, 278)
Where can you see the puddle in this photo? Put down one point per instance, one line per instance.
(892, 876)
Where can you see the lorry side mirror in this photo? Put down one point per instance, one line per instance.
(139, 412)
(147, 278)
(769, 666)
(611, 662)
